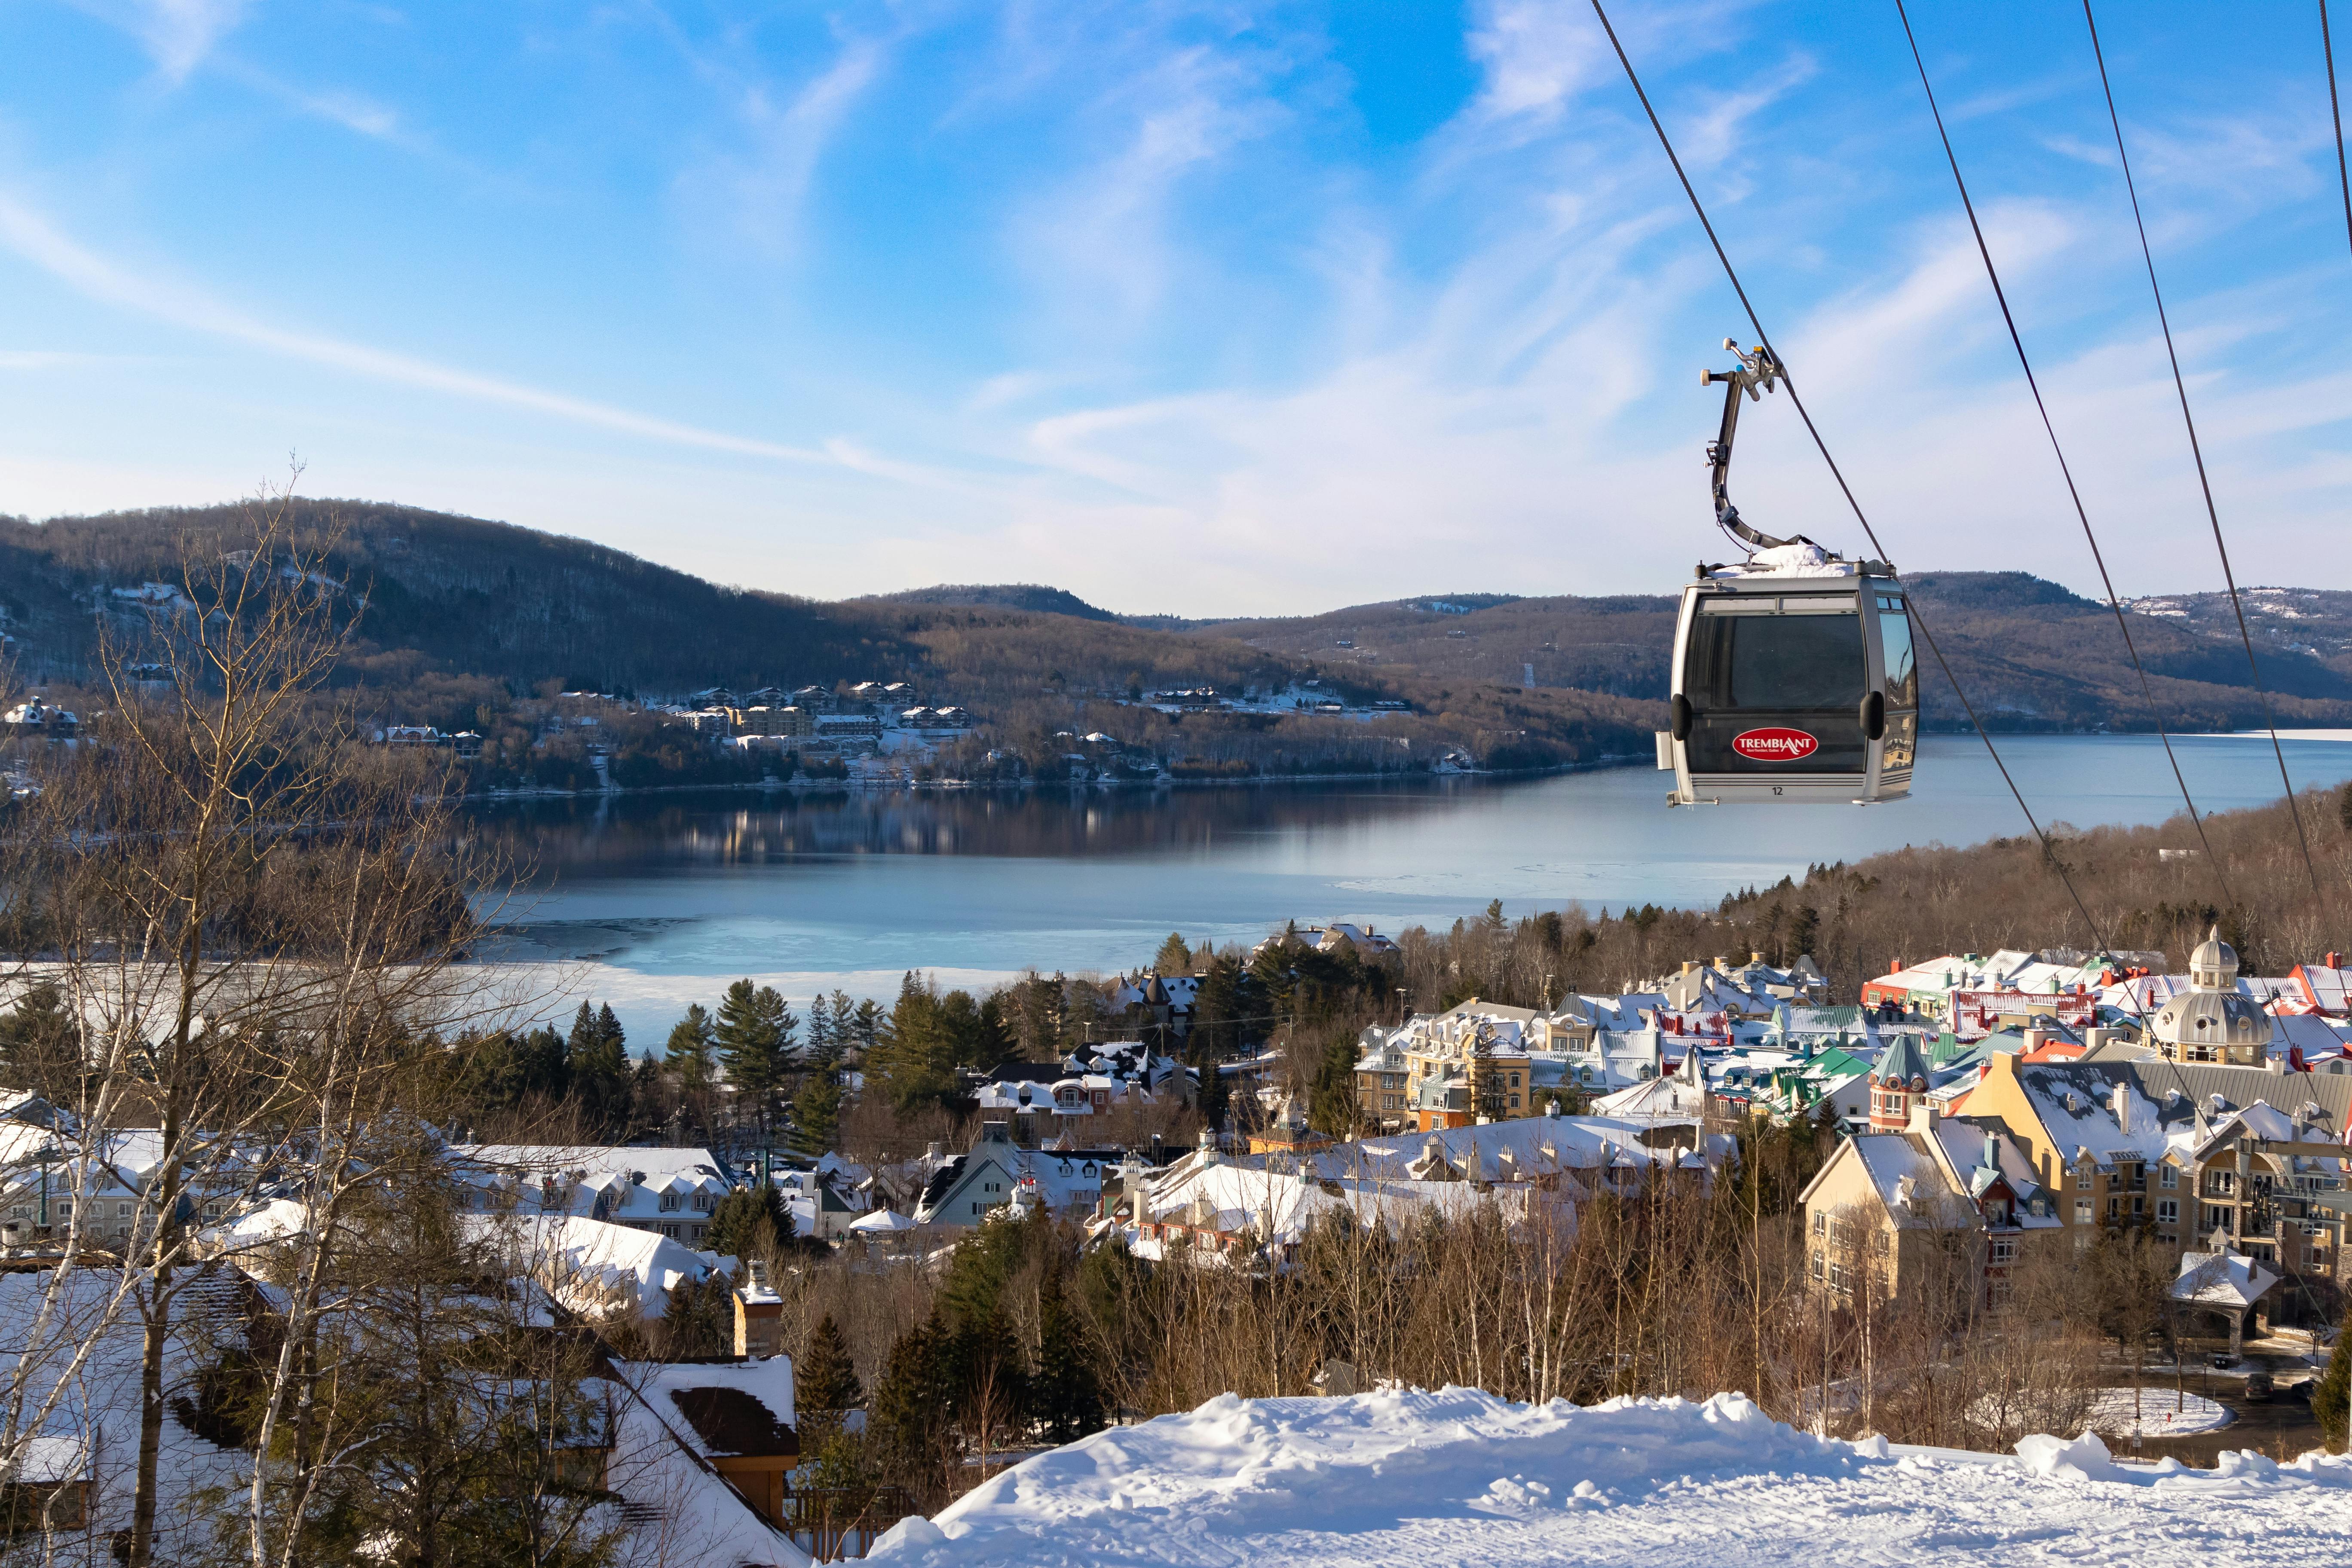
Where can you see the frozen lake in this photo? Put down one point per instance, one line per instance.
(651, 901)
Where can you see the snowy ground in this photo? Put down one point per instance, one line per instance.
(2158, 1418)
(1424, 1480)
(2112, 1414)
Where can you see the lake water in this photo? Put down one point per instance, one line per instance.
(652, 901)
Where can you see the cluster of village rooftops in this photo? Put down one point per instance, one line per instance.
(2013, 1101)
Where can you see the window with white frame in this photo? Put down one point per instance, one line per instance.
(2170, 1177)
(2168, 1211)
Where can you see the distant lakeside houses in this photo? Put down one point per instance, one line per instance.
(868, 732)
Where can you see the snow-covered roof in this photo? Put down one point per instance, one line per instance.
(1671, 1098)
(768, 1380)
(594, 1268)
(2222, 1280)
(1533, 1144)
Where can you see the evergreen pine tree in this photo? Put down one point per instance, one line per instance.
(1173, 957)
(820, 1030)
(1214, 1091)
(816, 1115)
(909, 1421)
(700, 1320)
(39, 1048)
(1066, 1396)
(865, 1026)
(754, 1037)
(749, 1222)
(598, 1055)
(1332, 1105)
(824, 1380)
(688, 1052)
(2331, 1402)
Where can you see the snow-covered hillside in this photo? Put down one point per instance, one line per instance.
(1419, 1480)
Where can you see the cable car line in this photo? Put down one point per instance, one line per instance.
(2343, 172)
(2115, 603)
(2196, 450)
(2090, 923)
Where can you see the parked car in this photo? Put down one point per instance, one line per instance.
(2221, 1361)
(2258, 1385)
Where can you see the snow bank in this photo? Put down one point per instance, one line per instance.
(1460, 1475)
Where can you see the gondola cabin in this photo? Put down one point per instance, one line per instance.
(1793, 681)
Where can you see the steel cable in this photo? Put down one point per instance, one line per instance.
(2082, 513)
(1788, 381)
(2196, 449)
(2049, 854)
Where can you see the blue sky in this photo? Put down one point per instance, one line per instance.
(1187, 308)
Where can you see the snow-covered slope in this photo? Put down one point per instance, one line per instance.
(1421, 1479)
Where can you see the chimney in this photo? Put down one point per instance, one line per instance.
(2335, 961)
(758, 1314)
(2035, 1039)
(1755, 957)
(2123, 1106)
(1689, 964)
(1722, 961)
(1924, 1117)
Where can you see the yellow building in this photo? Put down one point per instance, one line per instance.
(1882, 1215)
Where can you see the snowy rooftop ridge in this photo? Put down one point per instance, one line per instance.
(1461, 1476)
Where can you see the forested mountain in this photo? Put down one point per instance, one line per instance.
(460, 617)
(2031, 654)
(1034, 597)
(453, 595)
(459, 614)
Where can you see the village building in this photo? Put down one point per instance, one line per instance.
(2325, 987)
(1882, 1216)
(669, 1192)
(1164, 1000)
(1680, 1095)
(2187, 1151)
(2212, 1021)
(964, 1189)
(1744, 991)
(2000, 979)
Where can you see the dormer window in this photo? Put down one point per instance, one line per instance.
(668, 1202)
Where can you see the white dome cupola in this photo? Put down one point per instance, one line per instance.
(2214, 966)
(2213, 1021)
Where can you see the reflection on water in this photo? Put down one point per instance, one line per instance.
(565, 839)
(667, 897)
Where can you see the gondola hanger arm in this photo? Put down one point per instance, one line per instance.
(1758, 373)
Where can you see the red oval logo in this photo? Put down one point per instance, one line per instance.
(1775, 745)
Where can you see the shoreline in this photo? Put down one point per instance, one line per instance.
(856, 785)
(1254, 780)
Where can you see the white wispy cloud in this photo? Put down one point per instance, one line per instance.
(30, 235)
(757, 182)
(1536, 55)
(177, 34)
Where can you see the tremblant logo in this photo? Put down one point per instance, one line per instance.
(1775, 745)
